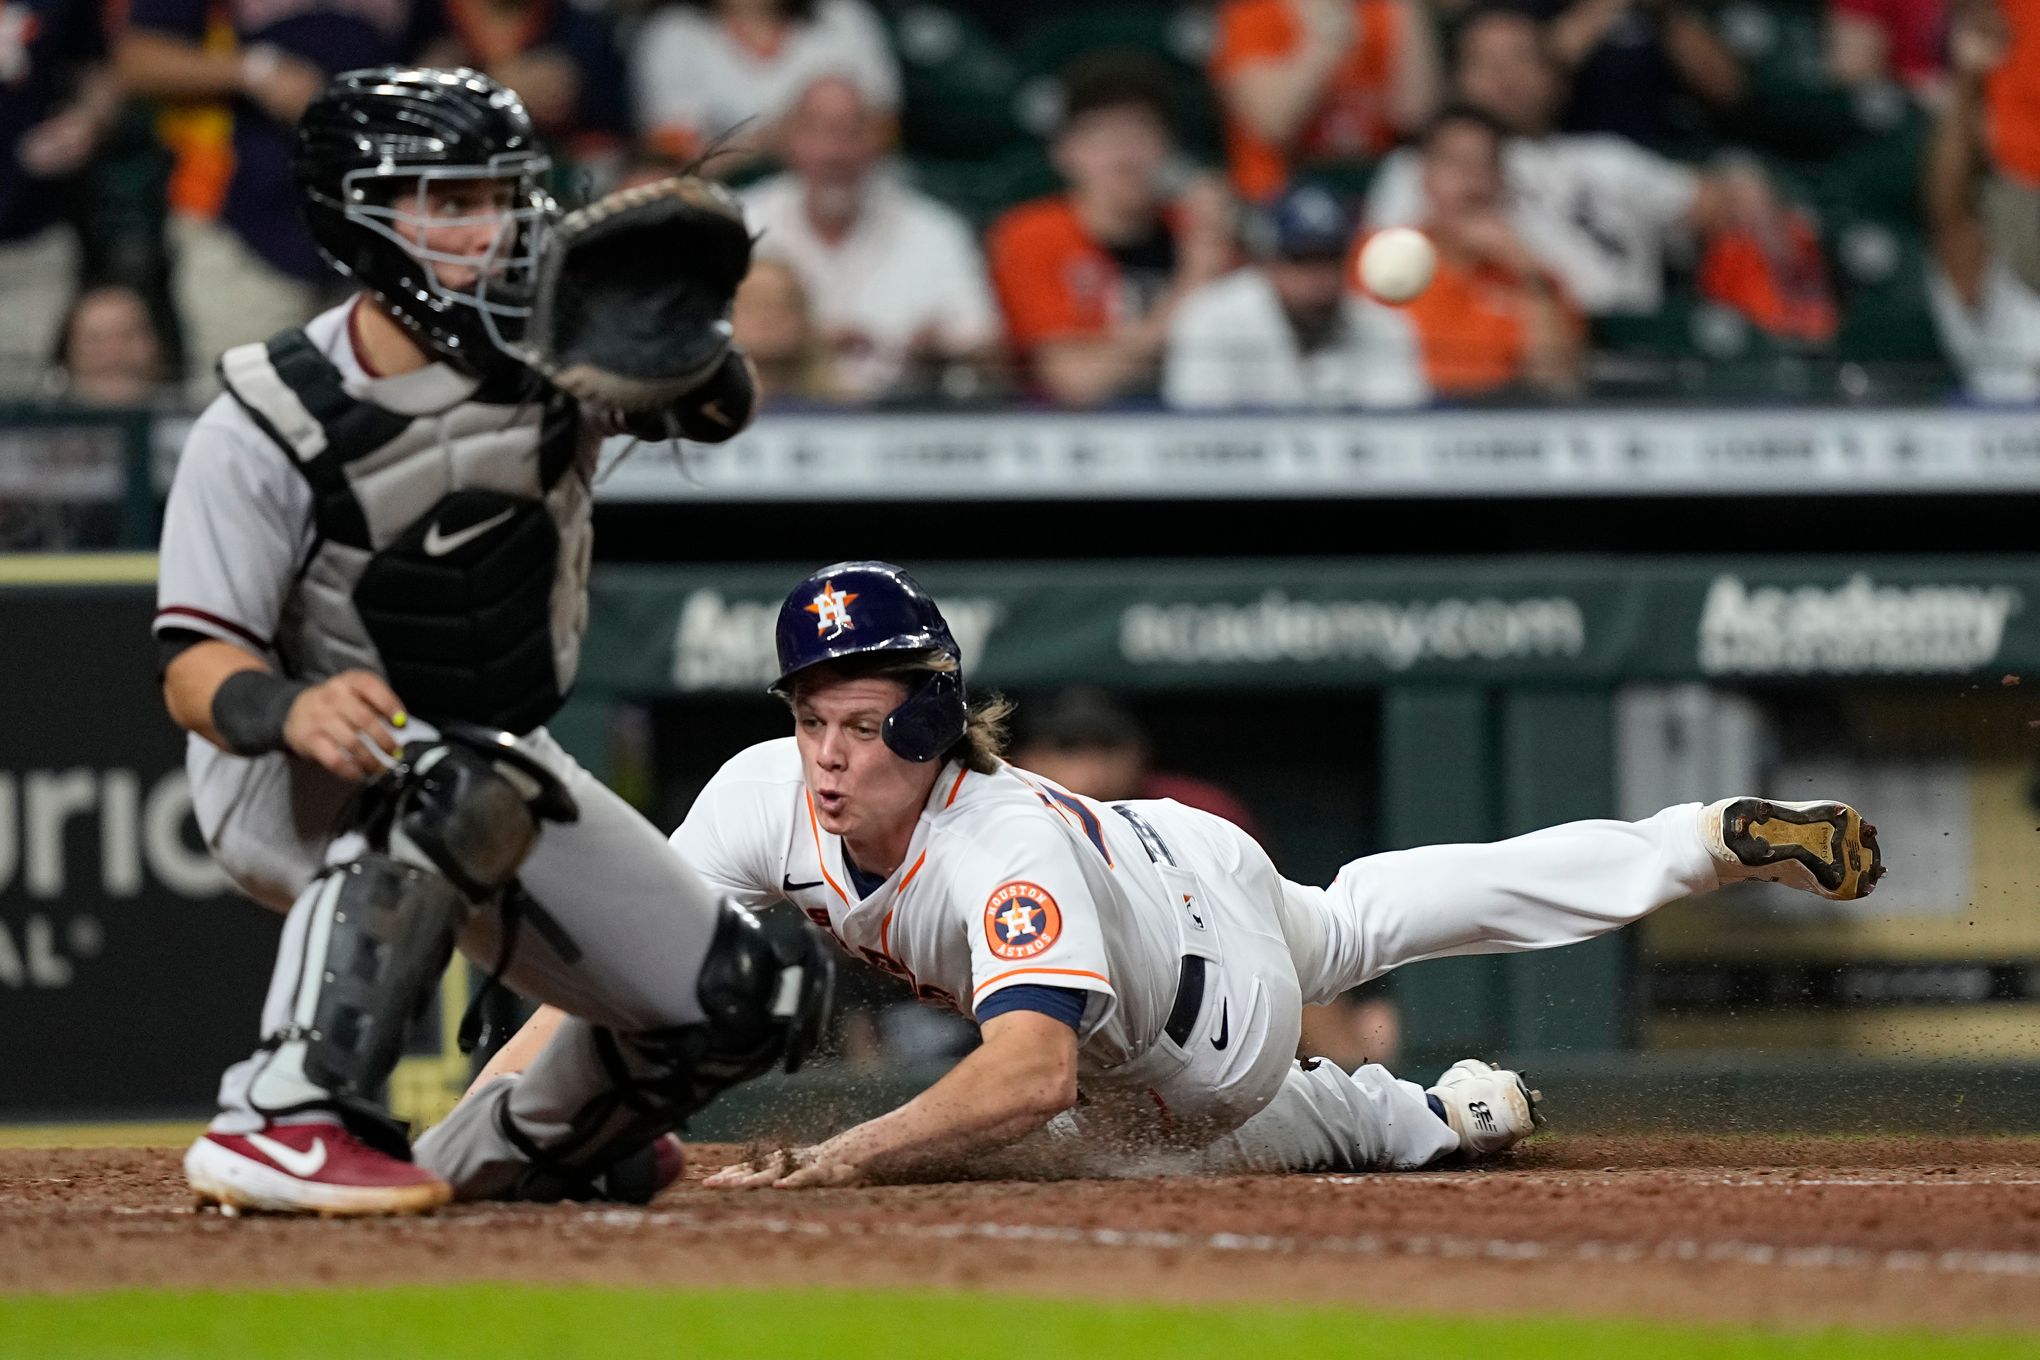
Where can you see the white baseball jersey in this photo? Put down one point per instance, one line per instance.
(693, 77)
(1600, 211)
(1995, 347)
(1009, 880)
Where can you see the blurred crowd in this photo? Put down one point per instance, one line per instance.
(1077, 204)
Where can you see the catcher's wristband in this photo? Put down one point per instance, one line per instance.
(249, 709)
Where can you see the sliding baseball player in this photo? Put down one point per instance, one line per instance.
(1138, 969)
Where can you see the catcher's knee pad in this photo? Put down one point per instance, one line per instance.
(766, 992)
(447, 834)
(470, 806)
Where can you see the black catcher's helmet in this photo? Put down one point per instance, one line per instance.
(367, 151)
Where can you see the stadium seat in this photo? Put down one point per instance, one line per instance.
(981, 189)
(1878, 180)
(958, 86)
(1793, 107)
(1887, 327)
(1179, 36)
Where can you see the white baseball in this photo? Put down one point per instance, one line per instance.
(1397, 264)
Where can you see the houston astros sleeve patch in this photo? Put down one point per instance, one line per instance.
(1021, 920)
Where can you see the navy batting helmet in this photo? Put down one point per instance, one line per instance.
(874, 608)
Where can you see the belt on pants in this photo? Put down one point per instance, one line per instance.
(1189, 1000)
(1190, 982)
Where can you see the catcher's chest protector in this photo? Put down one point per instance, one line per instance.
(452, 549)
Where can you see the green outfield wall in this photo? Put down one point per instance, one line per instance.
(1489, 688)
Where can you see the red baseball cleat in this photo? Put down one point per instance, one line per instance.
(669, 1161)
(307, 1169)
(638, 1178)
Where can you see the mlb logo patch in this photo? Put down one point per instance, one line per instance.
(1021, 920)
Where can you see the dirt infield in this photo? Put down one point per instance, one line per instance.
(1868, 1232)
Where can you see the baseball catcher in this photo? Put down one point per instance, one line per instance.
(372, 597)
(1144, 955)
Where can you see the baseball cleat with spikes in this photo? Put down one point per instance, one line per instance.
(1489, 1107)
(1819, 847)
(316, 1168)
(639, 1178)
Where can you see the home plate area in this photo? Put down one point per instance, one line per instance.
(1866, 1232)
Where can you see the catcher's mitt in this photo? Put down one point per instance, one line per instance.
(631, 307)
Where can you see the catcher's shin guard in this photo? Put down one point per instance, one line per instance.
(446, 834)
(767, 992)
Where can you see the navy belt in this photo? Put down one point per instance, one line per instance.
(1189, 1001)
(1190, 982)
(1150, 839)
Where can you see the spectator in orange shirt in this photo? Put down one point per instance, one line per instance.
(1493, 319)
(1320, 81)
(2003, 39)
(1767, 263)
(1088, 279)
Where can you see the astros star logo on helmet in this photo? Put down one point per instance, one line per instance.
(831, 609)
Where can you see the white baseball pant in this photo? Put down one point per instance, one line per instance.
(1280, 946)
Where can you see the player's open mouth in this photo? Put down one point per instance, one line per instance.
(827, 800)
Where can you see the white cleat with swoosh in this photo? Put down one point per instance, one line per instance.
(317, 1168)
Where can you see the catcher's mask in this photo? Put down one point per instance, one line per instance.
(380, 152)
(865, 609)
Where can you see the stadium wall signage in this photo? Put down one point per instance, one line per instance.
(128, 974)
(1244, 624)
(1432, 453)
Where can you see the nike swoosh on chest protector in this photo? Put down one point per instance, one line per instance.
(438, 544)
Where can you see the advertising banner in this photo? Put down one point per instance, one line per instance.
(1154, 625)
(129, 975)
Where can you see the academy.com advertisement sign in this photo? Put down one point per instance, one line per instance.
(1167, 625)
(1862, 626)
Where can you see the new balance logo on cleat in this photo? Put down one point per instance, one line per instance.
(1489, 1107)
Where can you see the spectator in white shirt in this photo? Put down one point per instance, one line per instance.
(702, 67)
(1288, 332)
(1988, 317)
(896, 280)
(1604, 214)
